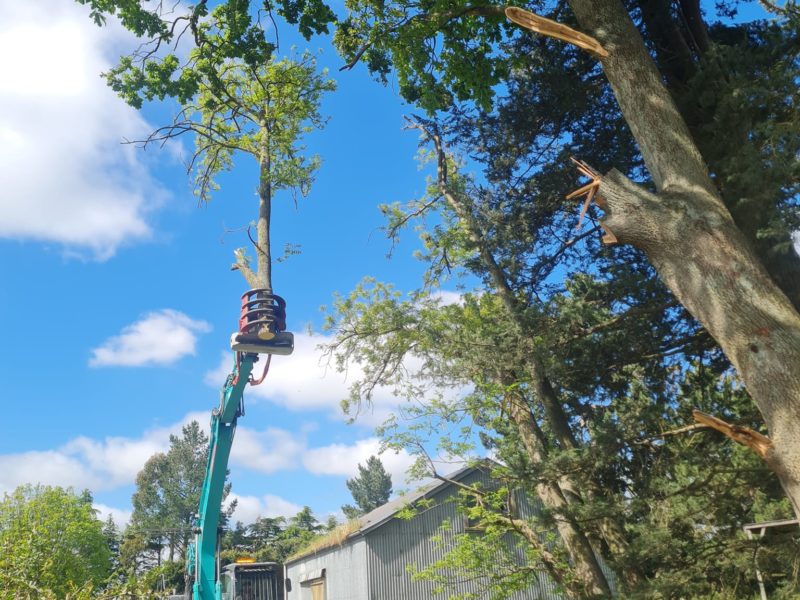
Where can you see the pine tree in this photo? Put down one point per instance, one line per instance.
(371, 488)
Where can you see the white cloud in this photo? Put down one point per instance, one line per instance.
(304, 381)
(447, 297)
(99, 465)
(343, 459)
(249, 508)
(112, 463)
(121, 516)
(65, 177)
(159, 338)
(267, 451)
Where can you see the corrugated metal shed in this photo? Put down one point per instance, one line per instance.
(345, 574)
(397, 544)
(372, 562)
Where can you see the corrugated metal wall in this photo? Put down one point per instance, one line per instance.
(345, 573)
(398, 543)
(375, 567)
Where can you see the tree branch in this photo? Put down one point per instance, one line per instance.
(552, 29)
(757, 442)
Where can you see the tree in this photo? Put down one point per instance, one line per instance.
(263, 112)
(235, 97)
(272, 539)
(602, 325)
(51, 543)
(167, 495)
(681, 496)
(371, 488)
(685, 228)
(113, 539)
(691, 239)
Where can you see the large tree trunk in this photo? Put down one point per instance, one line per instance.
(692, 241)
(679, 44)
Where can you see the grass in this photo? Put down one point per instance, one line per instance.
(335, 537)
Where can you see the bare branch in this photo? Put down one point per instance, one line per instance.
(555, 30)
(679, 431)
(757, 442)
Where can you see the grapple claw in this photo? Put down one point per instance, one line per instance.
(262, 325)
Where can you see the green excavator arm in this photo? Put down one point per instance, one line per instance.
(261, 331)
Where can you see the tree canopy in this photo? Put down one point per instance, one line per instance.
(165, 502)
(371, 488)
(51, 543)
(272, 539)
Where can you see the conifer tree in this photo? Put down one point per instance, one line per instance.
(371, 488)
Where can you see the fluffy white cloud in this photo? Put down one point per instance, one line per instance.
(249, 508)
(99, 465)
(343, 459)
(113, 463)
(159, 338)
(267, 451)
(120, 516)
(305, 381)
(65, 177)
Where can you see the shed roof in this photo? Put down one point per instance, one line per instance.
(372, 520)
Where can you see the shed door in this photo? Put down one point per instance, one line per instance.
(317, 589)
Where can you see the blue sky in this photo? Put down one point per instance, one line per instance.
(117, 299)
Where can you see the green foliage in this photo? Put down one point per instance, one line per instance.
(226, 33)
(235, 95)
(51, 544)
(271, 539)
(167, 495)
(440, 51)
(164, 578)
(371, 488)
(263, 111)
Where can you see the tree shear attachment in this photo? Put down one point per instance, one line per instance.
(262, 325)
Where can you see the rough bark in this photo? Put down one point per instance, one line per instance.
(678, 47)
(693, 242)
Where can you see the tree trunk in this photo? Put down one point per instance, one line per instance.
(693, 243)
(678, 48)
(613, 531)
(587, 568)
(263, 251)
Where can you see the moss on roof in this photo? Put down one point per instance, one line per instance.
(335, 537)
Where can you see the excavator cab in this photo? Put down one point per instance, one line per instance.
(262, 325)
(252, 581)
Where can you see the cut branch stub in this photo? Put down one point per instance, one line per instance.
(590, 191)
(552, 29)
(757, 442)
